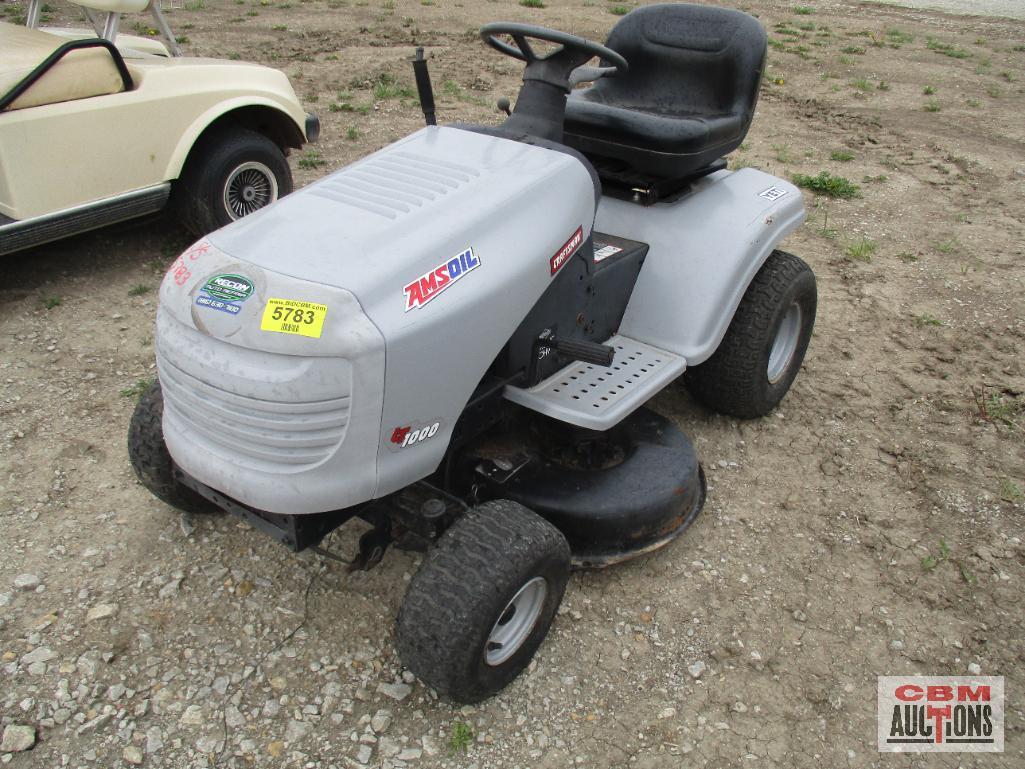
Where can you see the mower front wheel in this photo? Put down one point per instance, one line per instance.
(150, 459)
(483, 600)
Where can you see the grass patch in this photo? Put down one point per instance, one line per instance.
(782, 153)
(532, 3)
(928, 90)
(947, 49)
(907, 257)
(352, 134)
(862, 84)
(803, 10)
(827, 184)
(948, 246)
(861, 250)
(842, 156)
(387, 87)
(1001, 407)
(135, 390)
(932, 106)
(898, 37)
(619, 10)
(855, 50)
(925, 319)
(52, 301)
(1010, 491)
(138, 289)
(311, 159)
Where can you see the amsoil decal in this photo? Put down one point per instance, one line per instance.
(941, 714)
(431, 283)
(401, 437)
(563, 254)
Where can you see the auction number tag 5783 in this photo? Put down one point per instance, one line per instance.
(292, 316)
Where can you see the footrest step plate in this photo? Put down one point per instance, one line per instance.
(597, 397)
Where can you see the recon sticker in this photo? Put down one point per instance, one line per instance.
(402, 437)
(773, 193)
(218, 304)
(604, 251)
(433, 282)
(230, 288)
(569, 247)
(293, 316)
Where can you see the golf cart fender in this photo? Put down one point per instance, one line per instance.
(705, 248)
(285, 113)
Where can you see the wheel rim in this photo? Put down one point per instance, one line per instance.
(785, 343)
(516, 621)
(249, 187)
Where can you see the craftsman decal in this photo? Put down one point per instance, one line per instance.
(563, 254)
(293, 316)
(401, 437)
(431, 283)
(230, 288)
(941, 714)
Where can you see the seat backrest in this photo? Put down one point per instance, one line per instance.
(689, 59)
(113, 6)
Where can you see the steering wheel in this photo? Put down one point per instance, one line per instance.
(562, 67)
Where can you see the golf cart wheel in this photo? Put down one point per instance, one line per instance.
(763, 349)
(483, 600)
(230, 174)
(149, 457)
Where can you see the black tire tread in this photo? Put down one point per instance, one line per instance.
(448, 607)
(150, 458)
(732, 381)
(196, 191)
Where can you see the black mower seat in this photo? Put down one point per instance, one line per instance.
(688, 98)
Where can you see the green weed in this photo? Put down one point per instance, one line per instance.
(311, 159)
(843, 156)
(861, 250)
(461, 737)
(138, 388)
(827, 184)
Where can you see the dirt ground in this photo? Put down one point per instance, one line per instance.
(871, 526)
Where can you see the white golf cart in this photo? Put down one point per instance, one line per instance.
(97, 128)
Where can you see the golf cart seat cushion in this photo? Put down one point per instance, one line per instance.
(688, 97)
(79, 75)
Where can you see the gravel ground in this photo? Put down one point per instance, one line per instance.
(871, 526)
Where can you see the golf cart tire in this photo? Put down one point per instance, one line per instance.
(465, 585)
(149, 457)
(200, 191)
(735, 380)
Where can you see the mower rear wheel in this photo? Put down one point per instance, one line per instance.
(150, 459)
(483, 600)
(763, 349)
